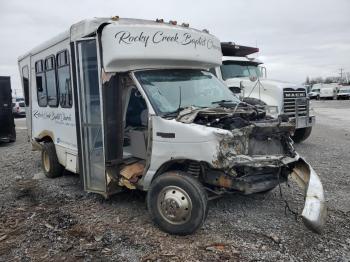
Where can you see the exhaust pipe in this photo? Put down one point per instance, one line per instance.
(315, 211)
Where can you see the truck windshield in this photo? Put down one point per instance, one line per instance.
(172, 89)
(232, 70)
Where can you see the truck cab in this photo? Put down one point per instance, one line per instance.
(247, 77)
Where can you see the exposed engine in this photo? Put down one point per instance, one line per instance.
(250, 156)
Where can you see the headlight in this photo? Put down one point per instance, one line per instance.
(272, 110)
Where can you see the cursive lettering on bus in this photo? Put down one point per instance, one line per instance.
(159, 37)
(127, 38)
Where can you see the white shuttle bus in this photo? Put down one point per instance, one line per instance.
(129, 103)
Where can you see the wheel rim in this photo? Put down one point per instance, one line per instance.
(46, 161)
(174, 205)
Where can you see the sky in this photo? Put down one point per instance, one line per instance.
(296, 38)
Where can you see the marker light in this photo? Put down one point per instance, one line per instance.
(115, 18)
(173, 22)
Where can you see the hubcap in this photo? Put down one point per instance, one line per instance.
(174, 205)
(46, 161)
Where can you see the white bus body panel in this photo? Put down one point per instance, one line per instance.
(55, 122)
(131, 47)
(26, 62)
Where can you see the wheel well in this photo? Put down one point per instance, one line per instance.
(192, 167)
(44, 139)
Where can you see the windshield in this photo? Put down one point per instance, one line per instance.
(231, 69)
(172, 89)
(344, 91)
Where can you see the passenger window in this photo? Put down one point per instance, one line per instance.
(50, 75)
(25, 79)
(64, 83)
(40, 83)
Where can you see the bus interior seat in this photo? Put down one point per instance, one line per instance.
(135, 130)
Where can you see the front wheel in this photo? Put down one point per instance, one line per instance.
(177, 203)
(301, 134)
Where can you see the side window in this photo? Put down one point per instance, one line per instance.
(64, 83)
(40, 83)
(50, 75)
(25, 79)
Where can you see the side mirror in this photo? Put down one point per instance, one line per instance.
(241, 86)
(263, 71)
(253, 78)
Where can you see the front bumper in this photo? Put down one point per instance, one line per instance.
(301, 116)
(315, 211)
(303, 121)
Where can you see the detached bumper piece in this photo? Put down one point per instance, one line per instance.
(315, 211)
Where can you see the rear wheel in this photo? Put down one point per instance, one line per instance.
(301, 134)
(52, 168)
(177, 203)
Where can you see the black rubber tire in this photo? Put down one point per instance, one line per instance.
(318, 97)
(195, 191)
(55, 169)
(301, 134)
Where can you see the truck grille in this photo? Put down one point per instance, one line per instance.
(290, 96)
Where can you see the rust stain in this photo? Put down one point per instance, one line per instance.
(224, 181)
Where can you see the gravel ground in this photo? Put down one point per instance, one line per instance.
(55, 220)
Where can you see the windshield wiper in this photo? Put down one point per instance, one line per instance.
(173, 113)
(177, 111)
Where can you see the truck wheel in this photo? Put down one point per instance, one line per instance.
(52, 168)
(301, 134)
(177, 203)
(318, 97)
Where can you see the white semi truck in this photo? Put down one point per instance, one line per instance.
(247, 77)
(129, 103)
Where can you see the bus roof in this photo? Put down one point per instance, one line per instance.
(88, 27)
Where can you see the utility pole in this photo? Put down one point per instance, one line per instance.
(341, 74)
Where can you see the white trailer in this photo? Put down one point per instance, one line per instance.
(329, 91)
(247, 77)
(129, 103)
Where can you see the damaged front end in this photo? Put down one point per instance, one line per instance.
(255, 154)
